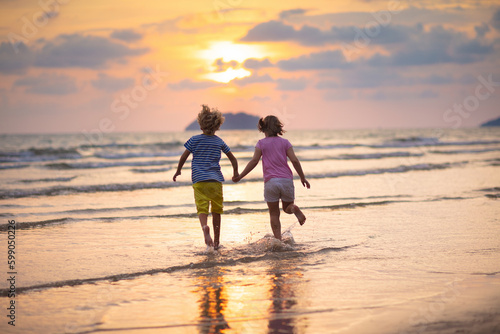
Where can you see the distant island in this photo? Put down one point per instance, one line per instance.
(493, 122)
(233, 121)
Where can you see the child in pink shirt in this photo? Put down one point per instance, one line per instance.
(278, 177)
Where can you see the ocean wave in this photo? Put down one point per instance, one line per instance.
(122, 154)
(429, 142)
(107, 151)
(144, 146)
(465, 151)
(61, 190)
(130, 155)
(492, 189)
(56, 179)
(122, 209)
(93, 165)
(399, 169)
(28, 225)
(14, 166)
(39, 154)
(407, 142)
(150, 170)
(494, 192)
(93, 211)
(323, 147)
(366, 156)
(234, 211)
(65, 190)
(378, 155)
(414, 140)
(262, 250)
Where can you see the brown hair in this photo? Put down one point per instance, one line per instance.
(271, 126)
(210, 120)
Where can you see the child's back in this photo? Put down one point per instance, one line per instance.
(278, 177)
(206, 150)
(206, 172)
(274, 158)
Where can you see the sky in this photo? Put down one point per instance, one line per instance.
(96, 67)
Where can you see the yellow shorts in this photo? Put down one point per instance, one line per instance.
(206, 193)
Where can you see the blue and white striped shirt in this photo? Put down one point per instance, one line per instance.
(206, 156)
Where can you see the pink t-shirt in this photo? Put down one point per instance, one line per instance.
(274, 159)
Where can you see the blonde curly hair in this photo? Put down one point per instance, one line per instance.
(210, 120)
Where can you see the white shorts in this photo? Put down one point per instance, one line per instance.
(277, 188)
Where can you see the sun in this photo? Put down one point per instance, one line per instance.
(228, 75)
(229, 52)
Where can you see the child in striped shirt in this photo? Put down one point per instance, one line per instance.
(206, 174)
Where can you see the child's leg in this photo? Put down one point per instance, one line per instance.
(274, 213)
(290, 208)
(206, 229)
(216, 222)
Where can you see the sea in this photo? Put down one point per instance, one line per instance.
(402, 236)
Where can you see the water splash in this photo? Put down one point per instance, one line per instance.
(289, 229)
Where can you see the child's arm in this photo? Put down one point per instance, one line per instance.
(251, 165)
(182, 160)
(234, 162)
(296, 164)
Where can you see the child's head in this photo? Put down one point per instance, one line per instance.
(271, 126)
(210, 120)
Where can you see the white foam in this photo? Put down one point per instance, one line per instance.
(270, 244)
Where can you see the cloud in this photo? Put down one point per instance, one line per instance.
(428, 94)
(83, 51)
(474, 47)
(12, 62)
(50, 14)
(253, 79)
(291, 12)
(338, 95)
(366, 78)
(48, 84)
(188, 84)
(380, 77)
(408, 16)
(405, 45)
(328, 84)
(222, 66)
(437, 46)
(291, 84)
(312, 36)
(111, 84)
(394, 95)
(495, 20)
(434, 79)
(187, 24)
(482, 30)
(330, 59)
(126, 35)
(256, 64)
(270, 31)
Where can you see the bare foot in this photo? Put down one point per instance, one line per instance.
(208, 238)
(298, 213)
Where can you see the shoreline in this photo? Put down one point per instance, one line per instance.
(469, 305)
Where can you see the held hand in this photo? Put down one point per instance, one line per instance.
(176, 174)
(236, 178)
(305, 183)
